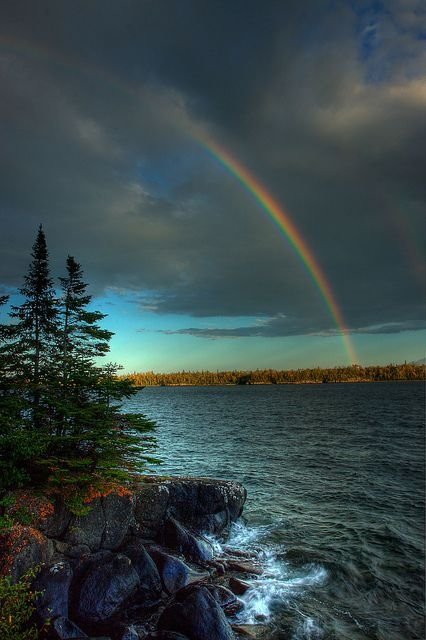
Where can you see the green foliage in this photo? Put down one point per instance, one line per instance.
(61, 420)
(17, 607)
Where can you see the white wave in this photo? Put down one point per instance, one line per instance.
(243, 536)
(278, 583)
(308, 629)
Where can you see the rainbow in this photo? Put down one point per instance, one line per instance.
(247, 179)
(286, 225)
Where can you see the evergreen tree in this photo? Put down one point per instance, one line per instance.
(33, 335)
(61, 424)
(24, 370)
(94, 441)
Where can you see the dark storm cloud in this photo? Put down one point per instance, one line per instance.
(326, 106)
(281, 326)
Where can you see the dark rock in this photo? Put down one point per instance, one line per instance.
(237, 586)
(218, 567)
(225, 598)
(213, 523)
(244, 567)
(250, 631)
(64, 629)
(166, 635)
(53, 583)
(202, 504)
(86, 564)
(195, 501)
(150, 509)
(55, 524)
(87, 529)
(106, 587)
(23, 548)
(118, 512)
(130, 634)
(78, 551)
(198, 616)
(150, 581)
(239, 553)
(177, 537)
(173, 572)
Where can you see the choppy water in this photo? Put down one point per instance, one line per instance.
(335, 477)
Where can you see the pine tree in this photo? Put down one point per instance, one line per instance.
(94, 442)
(61, 422)
(34, 333)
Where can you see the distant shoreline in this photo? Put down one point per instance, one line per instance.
(273, 384)
(317, 375)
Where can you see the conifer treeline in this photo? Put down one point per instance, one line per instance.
(60, 419)
(353, 373)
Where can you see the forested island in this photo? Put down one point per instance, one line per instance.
(354, 373)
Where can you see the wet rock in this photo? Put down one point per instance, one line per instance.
(64, 629)
(53, 583)
(174, 573)
(244, 567)
(202, 504)
(239, 553)
(106, 587)
(118, 513)
(218, 567)
(205, 504)
(225, 598)
(250, 631)
(150, 509)
(88, 529)
(197, 615)
(150, 581)
(177, 537)
(166, 635)
(237, 586)
(130, 634)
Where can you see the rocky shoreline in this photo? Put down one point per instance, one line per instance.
(137, 566)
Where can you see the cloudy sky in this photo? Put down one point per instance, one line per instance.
(111, 115)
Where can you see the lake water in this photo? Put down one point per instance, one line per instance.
(335, 477)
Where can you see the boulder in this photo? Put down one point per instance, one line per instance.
(88, 529)
(203, 504)
(106, 587)
(118, 512)
(173, 572)
(64, 629)
(237, 586)
(56, 522)
(177, 537)
(150, 581)
(151, 504)
(250, 631)
(166, 635)
(244, 567)
(78, 551)
(130, 634)
(225, 598)
(196, 614)
(53, 584)
(206, 504)
(22, 549)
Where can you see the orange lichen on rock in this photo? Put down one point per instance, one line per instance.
(105, 490)
(30, 508)
(14, 541)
